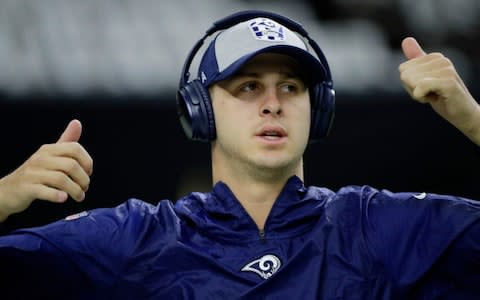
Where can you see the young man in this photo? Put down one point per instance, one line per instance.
(260, 233)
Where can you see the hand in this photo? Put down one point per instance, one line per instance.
(52, 173)
(432, 78)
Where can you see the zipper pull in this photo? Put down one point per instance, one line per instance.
(261, 234)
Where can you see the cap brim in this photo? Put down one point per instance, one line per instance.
(309, 65)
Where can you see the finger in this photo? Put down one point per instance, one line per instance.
(433, 65)
(428, 63)
(408, 89)
(43, 192)
(67, 165)
(67, 149)
(411, 79)
(72, 133)
(411, 48)
(82, 157)
(60, 181)
(432, 89)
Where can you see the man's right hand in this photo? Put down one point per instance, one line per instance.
(52, 173)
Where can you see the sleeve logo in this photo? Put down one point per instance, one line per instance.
(420, 196)
(77, 216)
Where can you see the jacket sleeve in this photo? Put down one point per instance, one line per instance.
(84, 252)
(427, 238)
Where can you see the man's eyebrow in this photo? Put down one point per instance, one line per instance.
(245, 74)
(257, 75)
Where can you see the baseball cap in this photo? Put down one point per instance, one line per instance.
(233, 47)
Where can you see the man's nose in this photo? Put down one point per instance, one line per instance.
(271, 104)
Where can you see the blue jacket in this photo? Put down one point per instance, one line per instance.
(358, 243)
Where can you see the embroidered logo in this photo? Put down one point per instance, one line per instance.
(420, 196)
(203, 77)
(77, 216)
(267, 30)
(264, 267)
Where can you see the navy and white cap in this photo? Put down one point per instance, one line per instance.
(233, 47)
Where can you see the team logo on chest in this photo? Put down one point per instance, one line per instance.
(264, 267)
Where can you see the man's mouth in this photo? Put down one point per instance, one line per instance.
(272, 133)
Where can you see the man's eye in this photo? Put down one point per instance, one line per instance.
(289, 88)
(249, 87)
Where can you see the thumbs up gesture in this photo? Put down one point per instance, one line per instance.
(52, 173)
(432, 78)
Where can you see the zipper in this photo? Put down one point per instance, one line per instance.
(261, 234)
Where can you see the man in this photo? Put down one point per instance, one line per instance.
(260, 233)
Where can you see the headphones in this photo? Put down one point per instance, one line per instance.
(194, 106)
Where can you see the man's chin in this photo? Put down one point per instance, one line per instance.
(276, 164)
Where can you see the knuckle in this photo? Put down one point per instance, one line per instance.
(450, 72)
(437, 55)
(77, 194)
(46, 148)
(452, 84)
(36, 159)
(71, 166)
(424, 83)
(70, 148)
(28, 173)
(77, 148)
(84, 183)
(404, 76)
(90, 161)
(60, 180)
(43, 147)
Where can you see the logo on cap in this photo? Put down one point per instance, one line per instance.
(267, 30)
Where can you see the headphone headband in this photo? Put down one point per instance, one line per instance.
(238, 17)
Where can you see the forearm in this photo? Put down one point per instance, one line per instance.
(3, 211)
(471, 126)
(473, 133)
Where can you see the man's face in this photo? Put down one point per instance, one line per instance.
(262, 114)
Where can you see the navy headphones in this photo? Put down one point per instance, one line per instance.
(193, 99)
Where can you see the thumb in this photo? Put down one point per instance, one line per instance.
(72, 133)
(411, 48)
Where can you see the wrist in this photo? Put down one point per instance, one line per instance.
(3, 214)
(473, 131)
(3, 217)
(468, 122)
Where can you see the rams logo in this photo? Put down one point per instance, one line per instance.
(264, 267)
(267, 30)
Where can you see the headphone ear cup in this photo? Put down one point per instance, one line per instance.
(323, 111)
(195, 112)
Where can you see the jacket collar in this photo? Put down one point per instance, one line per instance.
(220, 214)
